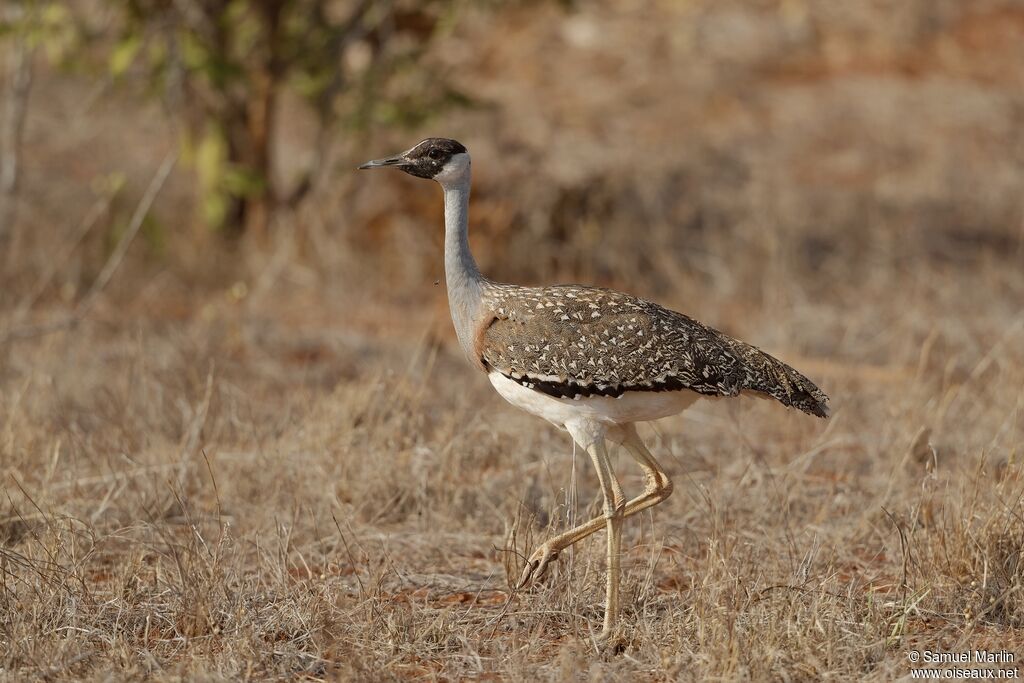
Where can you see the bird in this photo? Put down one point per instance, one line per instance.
(591, 361)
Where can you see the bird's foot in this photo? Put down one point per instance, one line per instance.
(537, 564)
(611, 642)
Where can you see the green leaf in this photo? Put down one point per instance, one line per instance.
(55, 14)
(123, 55)
(193, 53)
(243, 182)
(209, 155)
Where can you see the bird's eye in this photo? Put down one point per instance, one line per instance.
(434, 154)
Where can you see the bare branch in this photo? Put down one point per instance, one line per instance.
(12, 128)
(141, 211)
(351, 30)
(112, 264)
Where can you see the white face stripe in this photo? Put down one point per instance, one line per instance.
(455, 170)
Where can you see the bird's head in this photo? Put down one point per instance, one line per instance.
(437, 159)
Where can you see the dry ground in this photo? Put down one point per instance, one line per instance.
(279, 466)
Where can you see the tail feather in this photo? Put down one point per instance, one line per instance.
(770, 376)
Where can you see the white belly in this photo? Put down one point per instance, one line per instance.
(633, 406)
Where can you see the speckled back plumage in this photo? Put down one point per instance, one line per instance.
(572, 341)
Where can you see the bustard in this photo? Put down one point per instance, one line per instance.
(591, 361)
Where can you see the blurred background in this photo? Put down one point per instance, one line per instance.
(771, 154)
(191, 267)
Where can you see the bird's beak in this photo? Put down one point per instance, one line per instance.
(381, 163)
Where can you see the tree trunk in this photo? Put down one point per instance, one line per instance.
(256, 210)
(260, 116)
(12, 127)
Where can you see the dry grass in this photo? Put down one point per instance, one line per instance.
(283, 468)
(182, 500)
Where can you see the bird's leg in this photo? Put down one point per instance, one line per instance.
(614, 506)
(657, 489)
(658, 486)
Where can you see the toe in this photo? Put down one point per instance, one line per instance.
(527, 574)
(537, 565)
(546, 558)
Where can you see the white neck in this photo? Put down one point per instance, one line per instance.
(462, 276)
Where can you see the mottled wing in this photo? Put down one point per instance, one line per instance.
(574, 341)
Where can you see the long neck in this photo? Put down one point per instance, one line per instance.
(461, 273)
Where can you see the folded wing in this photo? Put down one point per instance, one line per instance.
(572, 341)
